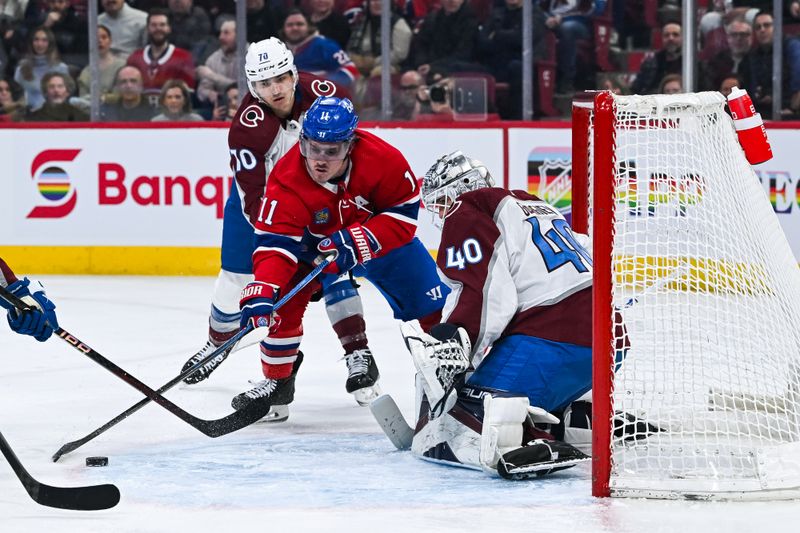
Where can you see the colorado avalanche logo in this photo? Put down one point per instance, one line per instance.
(251, 116)
(323, 88)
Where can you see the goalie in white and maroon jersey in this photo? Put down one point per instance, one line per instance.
(515, 338)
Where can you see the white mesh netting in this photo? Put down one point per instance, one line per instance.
(709, 292)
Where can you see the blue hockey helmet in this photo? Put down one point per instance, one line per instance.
(330, 120)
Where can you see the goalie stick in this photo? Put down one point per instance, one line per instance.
(74, 445)
(392, 422)
(211, 428)
(91, 498)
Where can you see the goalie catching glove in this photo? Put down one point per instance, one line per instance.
(351, 246)
(40, 322)
(257, 303)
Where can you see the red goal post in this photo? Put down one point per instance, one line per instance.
(693, 270)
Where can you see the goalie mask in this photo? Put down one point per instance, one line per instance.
(267, 59)
(451, 176)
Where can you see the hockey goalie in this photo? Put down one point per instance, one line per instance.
(514, 345)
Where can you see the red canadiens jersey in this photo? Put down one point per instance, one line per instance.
(378, 191)
(175, 63)
(258, 138)
(514, 267)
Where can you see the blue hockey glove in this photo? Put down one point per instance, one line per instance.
(38, 323)
(257, 301)
(351, 246)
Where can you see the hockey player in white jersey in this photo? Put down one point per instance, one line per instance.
(514, 344)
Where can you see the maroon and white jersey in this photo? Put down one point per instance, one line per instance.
(514, 267)
(258, 138)
(7, 277)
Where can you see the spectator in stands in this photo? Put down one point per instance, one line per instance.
(500, 48)
(69, 29)
(794, 10)
(571, 21)
(12, 32)
(262, 21)
(671, 84)
(161, 60)
(759, 86)
(446, 39)
(126, 24)
(659, 64)
(42, 57)
(612, 83)
(129, 106)
(109, 64)
(317, 54)
(365, 42)
(12, 101)
(406, 103)
(57, 87)
(176, 104)
(191, 27)
(329, 23)
(227, 104)
(220, 69)
(630, 24)
(739, 34)
(728, 83)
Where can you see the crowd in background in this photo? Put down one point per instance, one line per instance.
(176, 60)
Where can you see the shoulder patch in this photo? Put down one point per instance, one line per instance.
(323, 88)
(251, 116)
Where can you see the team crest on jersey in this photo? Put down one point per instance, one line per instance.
(323, 88)
(322, 216)
(251, 116)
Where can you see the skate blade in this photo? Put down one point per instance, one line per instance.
(365, 396)
(540, 469)
(277, 413)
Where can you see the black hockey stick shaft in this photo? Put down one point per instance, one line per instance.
(74, 445)
(212, 428)
(91, 498)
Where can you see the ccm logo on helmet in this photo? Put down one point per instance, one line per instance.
(323, 88)
(251, 116)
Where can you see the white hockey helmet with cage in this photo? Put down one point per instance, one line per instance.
(451, 176)
(267, 59)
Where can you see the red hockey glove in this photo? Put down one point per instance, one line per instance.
(351, 246)
(257, 301)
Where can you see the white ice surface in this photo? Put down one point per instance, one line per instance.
(328, 468)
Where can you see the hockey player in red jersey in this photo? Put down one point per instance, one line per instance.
(515, 337)
(38, 323)
(266, 125)
(344, 193)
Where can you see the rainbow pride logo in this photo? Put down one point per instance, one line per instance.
(550, 176)
(54, 183)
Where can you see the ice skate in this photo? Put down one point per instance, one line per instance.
(362, 380)
(204, 371)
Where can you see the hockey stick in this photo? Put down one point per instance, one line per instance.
(392, 422)
(74, 445)
(212, 428)
(91, 498)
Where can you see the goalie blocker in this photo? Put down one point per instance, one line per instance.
(474, 428)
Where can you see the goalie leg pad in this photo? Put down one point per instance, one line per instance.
(538, 458)
(502, 427)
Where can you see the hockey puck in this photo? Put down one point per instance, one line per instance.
(97, 461)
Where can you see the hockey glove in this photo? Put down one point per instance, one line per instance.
(38, 323)
(351, 246)
(257, 301)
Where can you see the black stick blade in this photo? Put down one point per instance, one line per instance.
(91, 498)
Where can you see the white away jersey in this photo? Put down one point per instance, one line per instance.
(515, 267)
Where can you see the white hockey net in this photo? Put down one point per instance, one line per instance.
(709, 291)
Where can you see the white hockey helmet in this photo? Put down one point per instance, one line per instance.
(267, 59)
(451, 176)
